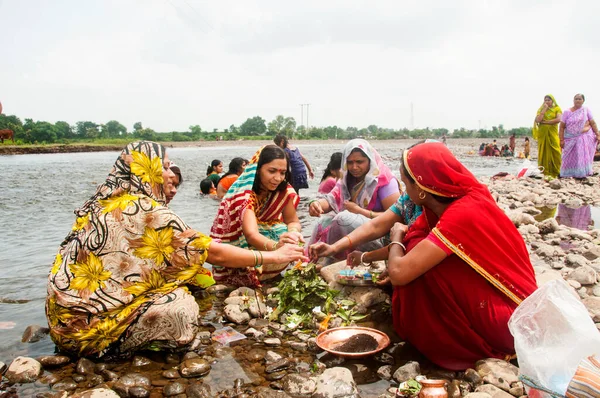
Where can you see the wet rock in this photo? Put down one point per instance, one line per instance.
(171, 374)
(138, 392)
(299, 385)
(219, 289)
(454, 389)
(366, 297)
(584, 275)
(312, 346)
(94, 381)
(385, 372)
(473, 377)
(198, 390)
(131, 383)
(96, 393)
(410, 370)
(272, 342)
(66, 384)
(23, 370)
(258, 323)
(174, 389)
(194, 367)
(34, 333)
(256, 354)
(384, 357)
(85, 366)
(190, 355)
(109, 375)
(517, 389)
(335, 382)
(254, 333)
(276, 375)
(478, 395)
(272, 357)
(172, 358)
(257, 308)
(298, 346)
(3, 368)
(235, 314)
(497, 372)
(276, 366)
(265, 392)
(139, 361)
(492, 391)
(79, 378)
(50, 361)
(593, 306)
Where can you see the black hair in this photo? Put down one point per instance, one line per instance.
(206, 185)
(267, 155)
(177, 171)
(526, 138)
(335, 163)
(280, 138)
(441, 199)
(235, 166)
(350, 179)
(212, 166)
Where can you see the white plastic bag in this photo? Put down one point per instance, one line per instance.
(553, 332)
(529, 170)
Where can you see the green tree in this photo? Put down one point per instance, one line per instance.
(196, 129)
(282, 125)
(137, 126)
(43, 132)
(115, 129)
(63, 130)
(233, 129)
(87, 129)
(254, 126)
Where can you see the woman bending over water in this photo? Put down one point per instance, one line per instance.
(259, 210)
(119, 280)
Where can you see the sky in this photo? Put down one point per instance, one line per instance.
(175, 63)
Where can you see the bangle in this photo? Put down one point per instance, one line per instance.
(371, 214)
(362, 256)
(274, 247)
(265, 245)
(312, 201)
(350, 241)
(261, 260)
(396, 243)
(293, 229)
(255, 258)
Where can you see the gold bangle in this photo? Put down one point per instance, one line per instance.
(274, 247)
(255, 258)
(293, 230)
(262, 260)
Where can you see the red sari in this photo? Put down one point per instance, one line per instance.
(457, 312)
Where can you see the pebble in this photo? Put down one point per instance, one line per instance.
(67, 384)
(272, 356)
(385, 372)
(272, 342)
(85, 366)
(78, 378)
(50, 361)
(138, 392)
(34, 333)
(171, 374)
(23, 370)
(172, 358)
(198, 390)
(140, 361)
(174, 389)
(410, 370)
(281, 364)
(194, 367)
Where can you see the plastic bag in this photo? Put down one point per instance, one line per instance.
(553, 332)
(529, 170)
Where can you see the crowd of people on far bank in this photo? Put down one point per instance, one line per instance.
(122, 277)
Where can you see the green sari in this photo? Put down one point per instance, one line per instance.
(549, 152)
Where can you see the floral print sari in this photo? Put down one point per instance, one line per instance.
(119, 279)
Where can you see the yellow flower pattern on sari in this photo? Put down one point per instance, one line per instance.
(100, 335)
(148, 170)
(89, 275)
(81, 222)
(156, 245)
(154, 282)
(57, 262)
(117, 202)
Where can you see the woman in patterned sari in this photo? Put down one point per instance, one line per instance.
(545, 131)
(119, 280)
(259, 211)
(578, 137)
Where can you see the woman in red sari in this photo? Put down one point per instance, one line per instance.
(465, 269)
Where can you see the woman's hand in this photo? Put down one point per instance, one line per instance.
(311, 175)
(562, 144)
(315, 209)
(352, 207)
(353, 258)
(291, 237)
(287, 253)
(383, 278)
(320, 249)
(398, 231)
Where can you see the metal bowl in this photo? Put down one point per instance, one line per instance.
(332, 337)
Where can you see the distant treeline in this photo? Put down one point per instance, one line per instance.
(255, 128)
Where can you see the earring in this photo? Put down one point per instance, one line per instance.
(422, 195)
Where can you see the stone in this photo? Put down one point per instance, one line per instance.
(576, 260)
(271, 357)
(548, 251)
(96, 393)
(3, 367)
(276, 366)
(473, 377)
(547, 226)
(253, 333)
(23, 370)
(528, 230)
(384, 357)
(478, 395)
(592, 253)
(219, 289)
(454, 389)
(257, 308)
(171, 374)
(298, 346)
(140, 361)
(385, 372)
(582, 293)
(330, 272)
(584, 275)
(194, 367)
(276, 375)
(335, 383)
(492, 391)
(34, 333)
(138, 392)
(366, 297)
(67, 384)
(546, 276)
(50, 361)
(258, 323)
(580, 235)
(198, 390)
(497, 372)
(174, 389)
(243, 291)
(517, 389)
(410, 370)
(234, 313)
(555, 184)
(266, 392)
(596, 291)
(574, 284)
(236, 300)
(109, 375)
(85, 366)
(272, 342)
(299, 385)
(593, 306)
(519, 218)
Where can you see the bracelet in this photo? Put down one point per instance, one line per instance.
(274, 247)
(293, 229)
(350, 241)
(312, 201)
(362, 256)
(255, 258)
(371, 214)
(266, 243)
(396, 243)
(261, 260)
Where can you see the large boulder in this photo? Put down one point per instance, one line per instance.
(410, 370)
(23, 370)
(298, 385)
(497, 372)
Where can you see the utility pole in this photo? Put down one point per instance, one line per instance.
(307, 125)
(412, 116)
(301, 114)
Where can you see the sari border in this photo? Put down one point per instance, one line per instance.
(423, 187)
(480, 270)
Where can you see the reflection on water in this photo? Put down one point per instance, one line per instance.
(574, 217)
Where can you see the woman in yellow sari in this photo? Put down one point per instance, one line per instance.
(545, 131)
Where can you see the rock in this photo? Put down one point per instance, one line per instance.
(96, 393)
(335, 383)
(194, 367)
(361, 373)
(109, 375)
(548, 251)
(272, 357)
(576, 260)
(517, 389)
(454, 389)
(276, 375)
(528, 230)
(518, 218)
(174, 389)
(546, 276)
(138, 392)
(130, 381)
(592, 253)
(593, 306)
(298, 346)
(219, 289)
(582, 293)
(580, 235)
(243, 291)
(366, 297)
(385, 372)
(34, 333)
(497, 372)
(198, 390)
(555, 184)
(50, 361)
(276, 366)
(596, 291)
(234, 313)
(3, 368)
(330, 272)
(171, 374)
(85, 366)
(253, 333)
(23, 370)
(478, 395)
(257, 308)
(266, 392)
(258, 323)
(384, 357)
(236, 300)
(410, 370)
(299, 385)
(584, 275)
(67, 384)
(140, 361)
(473, 377)
(492, 391)
(272, 342)
(574, 284)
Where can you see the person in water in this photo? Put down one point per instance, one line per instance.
(236, 168)
(457, 277)
(332, 173)
(258, 211)
(298, 163)
(120, 279)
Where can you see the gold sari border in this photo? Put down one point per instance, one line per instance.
(423, 187)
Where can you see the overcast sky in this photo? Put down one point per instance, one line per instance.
(174, 63)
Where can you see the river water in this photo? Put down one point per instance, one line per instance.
(38, 194)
